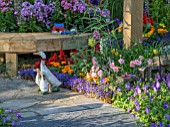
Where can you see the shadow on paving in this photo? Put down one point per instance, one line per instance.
(97, 117)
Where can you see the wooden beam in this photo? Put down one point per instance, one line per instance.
(11, 63)
(132, 21)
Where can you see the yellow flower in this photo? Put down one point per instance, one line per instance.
(155, 51)
(162, 25)
(70, 71)
(113, 50)
(91, 42)
(116, 53)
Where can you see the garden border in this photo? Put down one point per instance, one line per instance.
(12, 44)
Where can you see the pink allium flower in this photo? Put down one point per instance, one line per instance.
(121, 61)
(150, 62)
(132, 63)
(112, 65)
(100, 73)
(138, 62)
(115, 69)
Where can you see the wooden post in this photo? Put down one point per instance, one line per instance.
(132, 21)
(12, 63)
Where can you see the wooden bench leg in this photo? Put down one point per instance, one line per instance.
(12, 63)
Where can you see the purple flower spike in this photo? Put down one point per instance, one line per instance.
(147, 110)
(168, 125)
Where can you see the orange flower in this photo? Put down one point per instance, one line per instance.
(70, 71)
(56, 64)
(63, 62)
(67, 67)
(81, 74)
(106, 79)
(162, 31)
(64, 71)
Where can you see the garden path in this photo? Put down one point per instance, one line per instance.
(61, 109)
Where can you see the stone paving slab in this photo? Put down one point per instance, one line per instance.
(98, 117)
(62, 109)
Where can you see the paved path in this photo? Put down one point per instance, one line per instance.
(61, 109)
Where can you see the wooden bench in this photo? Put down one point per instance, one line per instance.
(12, 44)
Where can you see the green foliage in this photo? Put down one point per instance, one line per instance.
(7, 21)
(116, 8)
(160, 10)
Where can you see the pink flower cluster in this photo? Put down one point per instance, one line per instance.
(5, 5)
(135, 62)
(95, 72)
(113, 67)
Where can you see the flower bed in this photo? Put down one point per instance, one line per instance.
(148, 101)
